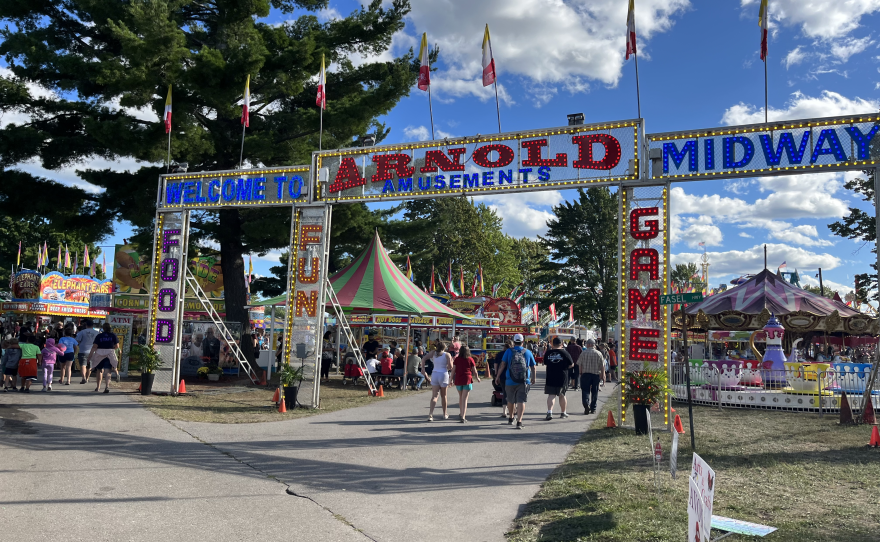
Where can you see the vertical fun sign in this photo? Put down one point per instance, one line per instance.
(644, 261)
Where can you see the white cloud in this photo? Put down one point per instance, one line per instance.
(747, 236)
(695, 230)
(794, 57)
(21, 117)
(739, 186)
(849, 47)
(423, 133)
(805, 235)
(273, 256)
(818, 18)
(523, 218)
(738, 262)
(808, 279)
(801, 106)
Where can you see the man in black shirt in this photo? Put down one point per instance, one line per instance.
(372, 346)
(557, 361)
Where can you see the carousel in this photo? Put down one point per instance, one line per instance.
(773, 372)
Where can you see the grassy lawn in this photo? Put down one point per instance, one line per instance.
(805, 475)
(240, 402)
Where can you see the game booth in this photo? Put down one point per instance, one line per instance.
(774, 348)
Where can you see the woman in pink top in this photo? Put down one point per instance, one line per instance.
(49, 355)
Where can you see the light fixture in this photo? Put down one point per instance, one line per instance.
(575, 119)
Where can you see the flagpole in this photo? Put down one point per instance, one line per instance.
(497, 106)
(638, 92)
(431, 111)
(765, 89)
(321, 128)
(168, 166)
(240, 154)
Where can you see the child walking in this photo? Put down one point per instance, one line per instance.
(49, 357)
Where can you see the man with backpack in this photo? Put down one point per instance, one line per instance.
(517, 363)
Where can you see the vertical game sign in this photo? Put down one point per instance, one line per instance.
(167, 293)
(306, 279)
(644, 259)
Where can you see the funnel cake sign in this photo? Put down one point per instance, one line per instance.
(555, 158)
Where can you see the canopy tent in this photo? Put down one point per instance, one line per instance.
(749, 305)
(372, 283)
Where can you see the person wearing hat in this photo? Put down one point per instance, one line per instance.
(592, 368)
(517, 366)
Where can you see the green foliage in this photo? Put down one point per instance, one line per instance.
(531, 257)
(582, 268)
(435, 232)
(290, 375)
(826, 291)
(103, 65)
(145, 359)
(683, 274)
(646, 387)
(861, 226)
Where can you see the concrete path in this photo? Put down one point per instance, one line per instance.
(113, 471)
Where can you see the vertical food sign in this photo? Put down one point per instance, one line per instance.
(644, 259)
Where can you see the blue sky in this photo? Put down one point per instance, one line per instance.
(699, 67)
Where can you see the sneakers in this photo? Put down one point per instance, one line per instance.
(549, 416)
(44, 388)
(83, 381)
(463, 420)
(519, 425)
(563, 415)
(431, 418)
(446, 416)
(106, 390)
(509, 421)
(592, 411)
(586, 411)
(50, 387)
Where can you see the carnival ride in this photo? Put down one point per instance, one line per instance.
(781, 315)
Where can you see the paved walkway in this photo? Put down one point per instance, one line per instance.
(75, 465)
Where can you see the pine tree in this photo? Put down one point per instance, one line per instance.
(104, 67)
(582, 268)
(862, 226)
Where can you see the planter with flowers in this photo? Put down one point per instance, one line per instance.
(643, 389)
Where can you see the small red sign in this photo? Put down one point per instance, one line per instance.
(658, 451)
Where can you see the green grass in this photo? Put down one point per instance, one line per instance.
(805, 475)
(239, 402)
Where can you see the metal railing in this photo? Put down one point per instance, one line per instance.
(803, 387)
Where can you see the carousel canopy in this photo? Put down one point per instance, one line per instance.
(372, 283)
(748, 306)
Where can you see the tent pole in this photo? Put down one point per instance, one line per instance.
(406, 352)
(271, 345)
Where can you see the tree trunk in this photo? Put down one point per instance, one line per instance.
(232, 264)
(603, 326)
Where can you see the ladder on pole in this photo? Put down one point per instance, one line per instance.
(349, 336)
(221, 328)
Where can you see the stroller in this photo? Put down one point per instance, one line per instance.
(497, 395)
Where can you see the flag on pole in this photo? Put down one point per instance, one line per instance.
(246, 104)
(517, 298)
(443, 284)
(536, 312)
(449, 287)
(461, 280)
(480, 272)
(75, 260)
(488, 60)
(321, 100)
(104, 264)
(409, 271)
(763, 22)
(18, 259)
(571, 313)
(474, 287)
(66, 257)
(45, 253)
(86, 257)
(39, 256)
(58, 261)
(168, 111)
(782, 266)
(424, 64)
(553, 311)
(432, 278)
(92, 271)
(631, 29)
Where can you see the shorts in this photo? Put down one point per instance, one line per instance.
(83, 362)
(555, 390)
(10, 371)
(105, 364)
(467, 387)
(518, 393)
(68, 358)
(440, 378)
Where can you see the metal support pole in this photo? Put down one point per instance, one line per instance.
(271, 344)
(687, 374)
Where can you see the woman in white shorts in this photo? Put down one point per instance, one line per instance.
(439, 377)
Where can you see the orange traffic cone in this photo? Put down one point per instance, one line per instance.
(611, 423)
(370, 393)
(381, 391)
(875, 438)
(263, 379)
(277, 395)
(140, 386)
(868, 414)
(182, 389)
(677, 425)
(282, 408)
(846, 414)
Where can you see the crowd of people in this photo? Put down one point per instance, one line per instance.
(32, 354)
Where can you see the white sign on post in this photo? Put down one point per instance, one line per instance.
(673, 455)
(700, 498)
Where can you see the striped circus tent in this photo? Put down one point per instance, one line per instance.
(372, 283)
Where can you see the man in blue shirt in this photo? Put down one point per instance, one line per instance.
(517, 366)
